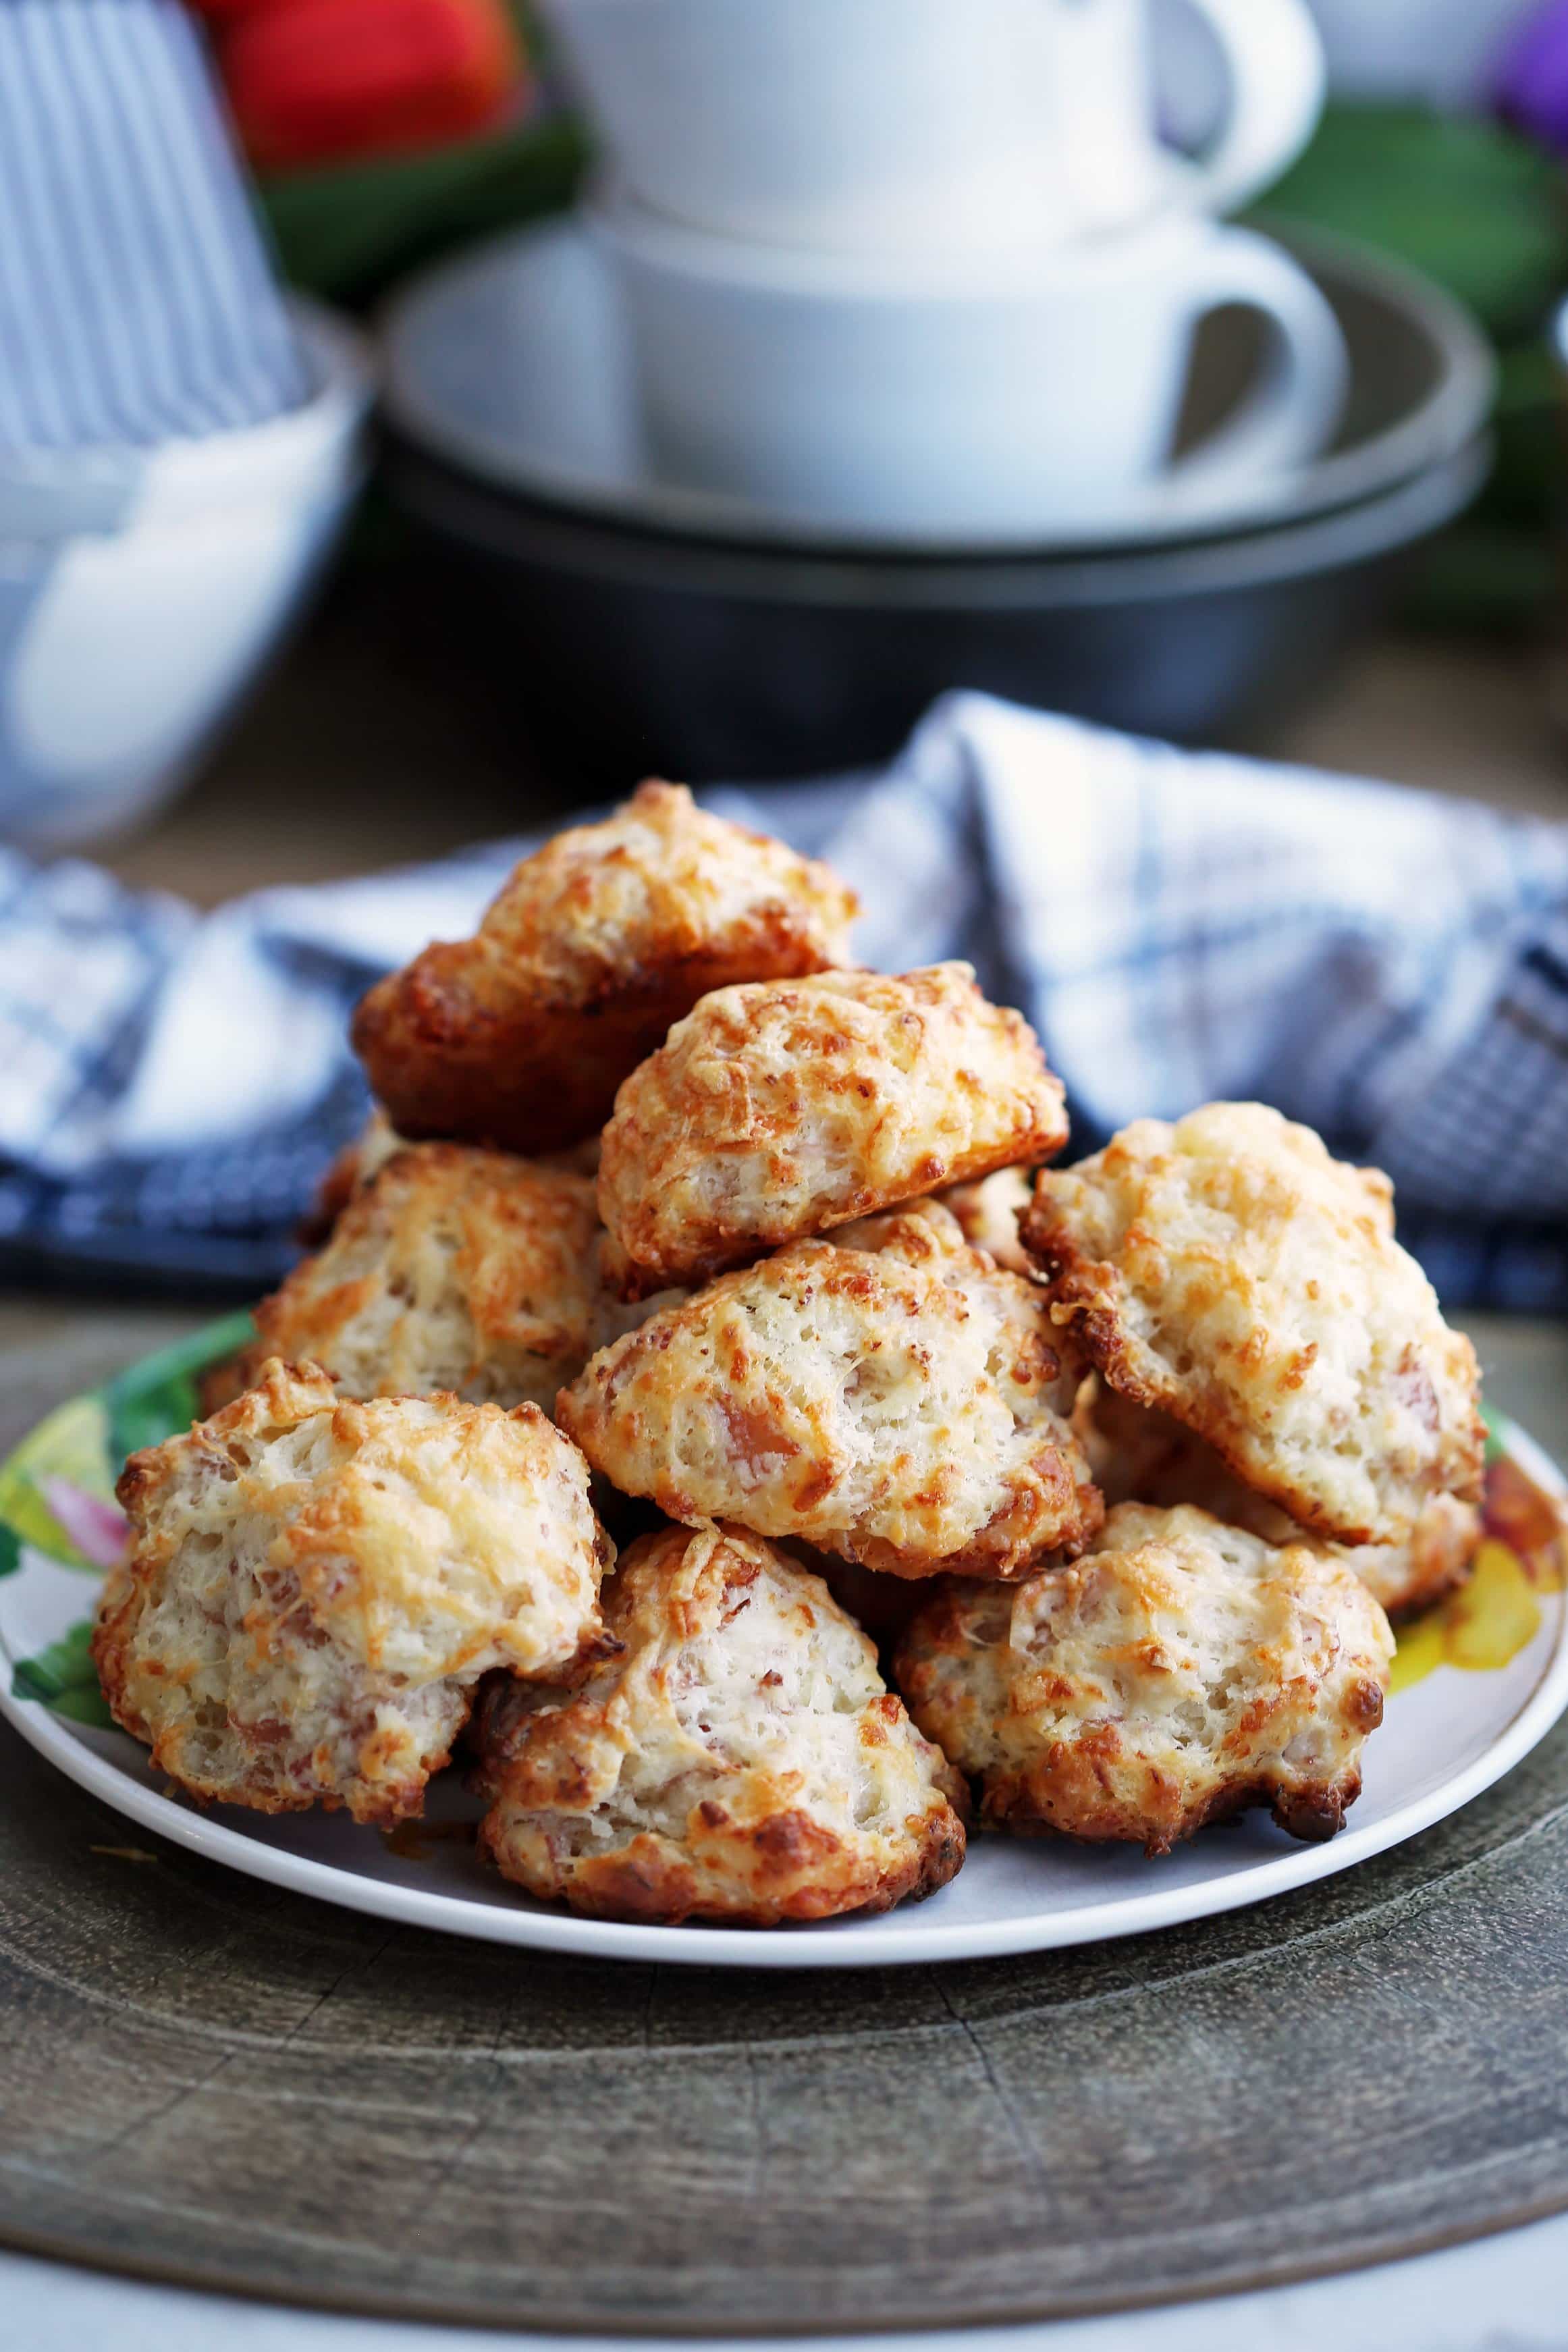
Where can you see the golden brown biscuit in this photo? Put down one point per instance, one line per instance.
(1229, 1271)
(889, 1396)
(1178, 1673)
(347, 1174)
(599, 940)
(453, 1269)
(314, 1586)
(774, 1112)
(1139, 1455)
(988, 1213)
(360, 1162)
(740, 1759)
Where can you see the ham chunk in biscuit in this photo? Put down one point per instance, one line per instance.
(889, 1396)
(776, 1112)
(520, 1036)
(739, 1760)
(1228, 1271)
(1179, 1672)
(314, 1586)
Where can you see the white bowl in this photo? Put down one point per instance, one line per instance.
(141, 591)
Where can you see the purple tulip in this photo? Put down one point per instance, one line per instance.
(1532, 80)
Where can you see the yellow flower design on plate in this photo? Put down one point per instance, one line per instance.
(1486, 1624)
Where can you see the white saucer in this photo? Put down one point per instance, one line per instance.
(513, 363)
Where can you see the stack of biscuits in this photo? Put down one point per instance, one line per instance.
(708, 1410)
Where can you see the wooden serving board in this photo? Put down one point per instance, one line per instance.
(213, 2082)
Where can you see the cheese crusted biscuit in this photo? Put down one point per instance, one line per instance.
(1139, 1455)
(740, 1759)
(314, 1586)
(889, 1396)
(520, 1036)
(1228, 1271)
(1179, 1672)
(453, 1269)
(773, 1113)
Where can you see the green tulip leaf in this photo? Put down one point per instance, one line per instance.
(63, 1677)
(157, 1398)
(347, 231)
(1474, 204)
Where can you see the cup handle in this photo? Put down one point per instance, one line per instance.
(1291, 412)
(1278, 80)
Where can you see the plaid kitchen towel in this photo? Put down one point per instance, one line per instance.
(1390, 967)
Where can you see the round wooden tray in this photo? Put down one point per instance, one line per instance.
(214, 2083)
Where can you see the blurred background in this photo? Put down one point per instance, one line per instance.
(419, 419)
(509, 608)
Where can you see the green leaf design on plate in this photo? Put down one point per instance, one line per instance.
(63, 1677)
(85, 1442)
(72, 1444)
(157, 1397)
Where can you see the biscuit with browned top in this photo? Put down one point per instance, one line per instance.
(1229, 1272)
(739, 1760)
(774, 1113)
(888, 1395)
(456, 1269)
(314, 1586)
(520, 1036)
(1139, 1455)
(1179, 1672)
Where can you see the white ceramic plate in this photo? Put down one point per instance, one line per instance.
(1445, 1738)
(513, 362)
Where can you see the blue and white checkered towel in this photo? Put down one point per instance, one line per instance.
(1389, 966)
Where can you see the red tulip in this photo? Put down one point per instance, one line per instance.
(311, 81)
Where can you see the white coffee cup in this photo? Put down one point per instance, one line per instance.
(952, 399)
(921, 126)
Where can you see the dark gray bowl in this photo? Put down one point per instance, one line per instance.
(628, 651)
